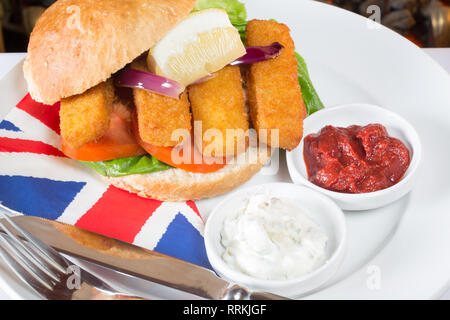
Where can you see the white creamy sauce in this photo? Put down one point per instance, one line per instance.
(271, 238)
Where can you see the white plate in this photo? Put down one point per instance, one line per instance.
(397, 252)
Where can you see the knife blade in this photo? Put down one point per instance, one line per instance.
(135, 261)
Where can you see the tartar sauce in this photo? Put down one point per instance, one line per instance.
(271, 238)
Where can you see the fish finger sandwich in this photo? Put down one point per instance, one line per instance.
(152, 95)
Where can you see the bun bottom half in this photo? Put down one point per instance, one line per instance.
(177, 185)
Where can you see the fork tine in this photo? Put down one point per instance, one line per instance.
(45, 252)
(10, 254)
(30, 254)
(23, 274)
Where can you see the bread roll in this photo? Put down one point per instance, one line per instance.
(180, 185)
(77, 44)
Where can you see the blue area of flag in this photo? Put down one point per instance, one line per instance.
(6, 125)
(184, 242)
(38, 196)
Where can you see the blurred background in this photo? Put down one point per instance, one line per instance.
(425, 22)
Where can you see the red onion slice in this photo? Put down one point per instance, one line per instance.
(258, 54)
(138, 79)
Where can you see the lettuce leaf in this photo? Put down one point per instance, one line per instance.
(309, 94)
(235, 9)
(127, 166)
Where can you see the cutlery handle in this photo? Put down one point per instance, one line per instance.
(116, 297)
(237, 292)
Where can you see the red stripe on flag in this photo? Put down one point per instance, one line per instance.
(48, 115)
(193, 206)
(30, 146)
(118, 214)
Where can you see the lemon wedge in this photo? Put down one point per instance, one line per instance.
(201, 44)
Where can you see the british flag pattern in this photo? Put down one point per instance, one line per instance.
(37, 179)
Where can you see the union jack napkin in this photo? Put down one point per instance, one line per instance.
(37, 179)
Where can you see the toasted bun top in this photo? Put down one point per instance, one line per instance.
(77, 44)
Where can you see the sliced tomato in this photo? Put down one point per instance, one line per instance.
(118, 142)
(165, 154)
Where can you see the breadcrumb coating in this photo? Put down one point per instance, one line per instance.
(219, 104)
(275, 98)
(85, 117)
(159, 116)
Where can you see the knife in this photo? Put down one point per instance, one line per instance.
(135, 261)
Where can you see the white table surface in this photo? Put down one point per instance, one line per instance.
(9, 60)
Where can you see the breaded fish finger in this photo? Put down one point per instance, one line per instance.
(159, 116)
(275, 97)
(219, 104)
(85, 117)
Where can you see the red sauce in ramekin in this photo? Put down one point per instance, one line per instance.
(355, 159)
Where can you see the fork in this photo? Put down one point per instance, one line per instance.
(51, 275)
